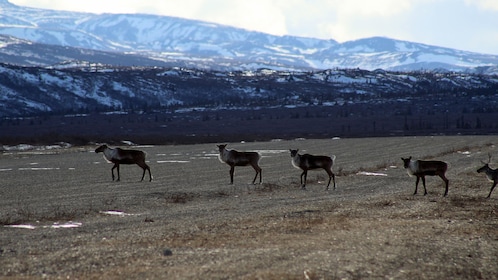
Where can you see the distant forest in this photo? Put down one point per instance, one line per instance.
(192, 106)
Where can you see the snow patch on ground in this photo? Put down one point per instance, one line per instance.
(54, 225)
(371, 173)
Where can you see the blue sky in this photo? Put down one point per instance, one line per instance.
(470, 25)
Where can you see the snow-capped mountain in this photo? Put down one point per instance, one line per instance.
(399, 55)
(216, 46)
(22, 52)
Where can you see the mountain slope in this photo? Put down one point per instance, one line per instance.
(21, 52)
(214, 46)
(399, 55)
(35, 90)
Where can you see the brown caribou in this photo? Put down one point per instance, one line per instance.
(307, 162)
(236, 158)
(491, 174)
(121, 156)
(422, 168)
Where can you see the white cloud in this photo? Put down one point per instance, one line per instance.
(484, 4)
(383, 8)
(342, 20)
(92, 6)
(260, 15)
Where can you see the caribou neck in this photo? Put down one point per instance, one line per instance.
(296, 161)
(110, 154)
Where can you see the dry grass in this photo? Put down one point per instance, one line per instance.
(371, 227)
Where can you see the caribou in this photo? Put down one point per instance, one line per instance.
(307, 162)
(121, 156)
(422, 168)
(235, 158)
(491, 174)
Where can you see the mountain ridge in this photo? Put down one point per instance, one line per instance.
(211, 45)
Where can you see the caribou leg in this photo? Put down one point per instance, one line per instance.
(119, 176)
(446, 182)
(145, 167)
(331, 176)
(492, 188)
(423, 182)
(232, 170)
(258, 171)
(116, 165)
(416, 185)
(143, 174)
(150, 175)
(305, 174)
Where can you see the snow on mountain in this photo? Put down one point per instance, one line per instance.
(22, 52)
(384, 53)
(26, 91)
(215, 46)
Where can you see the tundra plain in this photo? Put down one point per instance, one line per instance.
(63, 218)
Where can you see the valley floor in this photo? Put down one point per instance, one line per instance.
(189, 223)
